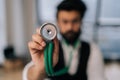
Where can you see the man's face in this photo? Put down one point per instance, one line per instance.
(69, 23)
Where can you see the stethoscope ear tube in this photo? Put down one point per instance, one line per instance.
(48, 53)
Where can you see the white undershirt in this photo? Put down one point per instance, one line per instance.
(95, 66)
(67, 49)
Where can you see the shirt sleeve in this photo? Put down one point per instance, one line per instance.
(95, 70)
(25, 70)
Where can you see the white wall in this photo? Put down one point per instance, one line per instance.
(20, 25)
(17, 24)
(3, 41)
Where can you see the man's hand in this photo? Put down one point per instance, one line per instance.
(36, 48)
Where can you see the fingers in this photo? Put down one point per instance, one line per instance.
(38, 39)
(34, 45)
(37, 42)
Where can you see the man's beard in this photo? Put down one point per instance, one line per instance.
(71, 37)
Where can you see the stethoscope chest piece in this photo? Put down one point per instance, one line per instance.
(48, 31)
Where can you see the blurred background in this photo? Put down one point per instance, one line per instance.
(20, 18)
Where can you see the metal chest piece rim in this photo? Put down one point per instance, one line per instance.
(48, 31)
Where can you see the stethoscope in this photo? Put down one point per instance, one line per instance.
(49, 31)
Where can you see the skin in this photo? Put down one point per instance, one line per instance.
(66, 20)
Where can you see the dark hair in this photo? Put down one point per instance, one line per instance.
(70, 5)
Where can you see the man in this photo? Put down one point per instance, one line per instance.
(86, 63)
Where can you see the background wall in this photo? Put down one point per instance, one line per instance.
(3, 40)
(17, 24)
(101, 23)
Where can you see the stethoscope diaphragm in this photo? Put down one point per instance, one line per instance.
(48, 31)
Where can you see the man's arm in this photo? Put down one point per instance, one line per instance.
(95, 65)
(30, 72)
(36, 69)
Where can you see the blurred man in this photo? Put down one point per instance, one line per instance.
(86, 63)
